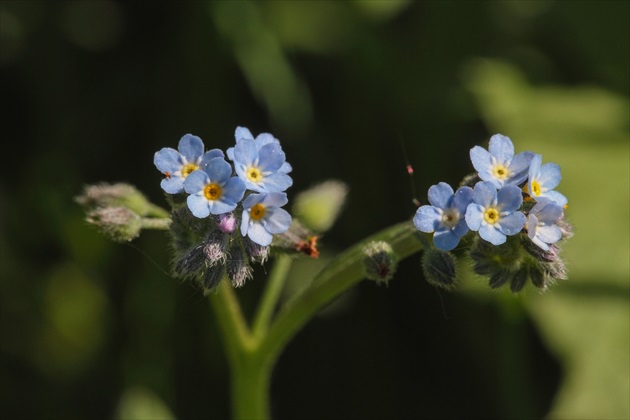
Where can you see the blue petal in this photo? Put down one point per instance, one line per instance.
(492, 235)
(265, 138)
(173, 185)
(285, 168)
(209, 155)
(196, 182)
(258, 234)
(245, 152)
(547, 211)
(245, 222)
(445, 240)
(485, 193)
(276, 220)
(461, 228)
(550, 176)
(198, 206)
(441, 195)
(474, 216)
(482, 162)
(463, 197)
(191, 147)
(220, 206)
(512, 223)
(509, 198)
(230, 153)
(273, 183)
(519, 168)
(168, 160)
(531, 225)
(218, 170)
(274, 199)
(242, 133)
(270, 158)
(501, 148)
(549, 234)
(233, 190)
(556, 197)
(427, 219)
(251, 200)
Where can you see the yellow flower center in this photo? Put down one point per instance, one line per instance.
(500, 171)
(257, 212)
(536, 188)
(254, 174)
(212, 192)
(491, 215)
(188, 169)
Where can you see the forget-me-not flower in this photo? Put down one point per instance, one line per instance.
(213, 190)
(543, 179)
(263, 217)
(498, 164)
(243, 133)
(541, 223)
(494, 213)
(445, 216)
(176, 165)
(260, 167)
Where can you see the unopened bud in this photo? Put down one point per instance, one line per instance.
(191, 263)
(256, 252)
(227, 222)
(212, 277)
(214, 247)
(238, 269)
(439, 268)
(518, 280)
(118, 223)
(379, 261)
(115, 195)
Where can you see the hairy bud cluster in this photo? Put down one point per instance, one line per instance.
(379, 261)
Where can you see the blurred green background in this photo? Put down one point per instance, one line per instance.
(91, 89)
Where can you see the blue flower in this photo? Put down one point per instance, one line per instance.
(445, 216)
(263, 217)
(499, 165)
(262, 139)
(260, 165)
(494, 213)
(541, 223)
(543, 179)
(177, 165)
(213, 190)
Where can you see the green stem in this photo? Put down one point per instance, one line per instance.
(342, 273)
(272, 292)
(156, 223)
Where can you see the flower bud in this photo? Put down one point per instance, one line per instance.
(256, 253)
(227, 222)
(238, 269)
(379, 261)
(212, 277)
(518, 280)
(190, 263)
(118, 223)
(115, 195)
(214, 247)
(439, 268)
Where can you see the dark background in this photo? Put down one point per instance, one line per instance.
(354, 91)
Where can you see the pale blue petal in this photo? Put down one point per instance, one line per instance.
(173, 185)
(270, 158)
(534, 167)
(233, 190)
(485, 193)
(218, 170)
(285, 168)
(245, 222)
(463, 197)
(532, 225)
(540, 243)
(427, 219)
(265, 138)
(209, 155)
(220, 206)
(482, 162)
(547, 211)
(230, 153)
(519, 167)
(461, 228)
(242, 133)
(512, 223)
(474, 216)
(492, 235)
(549, 234)
(168, 160)
(550, 176)
(198, 206)
(445, 240)
(251, 200)
(274, 183)
(501, 148)
(441, 195)
(258, 234)
(509, 198)
(191, 147)
(275, 199)
(196, 182)
(245, 152)
(556, 197)
(276, 220)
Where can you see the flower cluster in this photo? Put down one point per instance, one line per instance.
(509, 196)
(221, 197)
